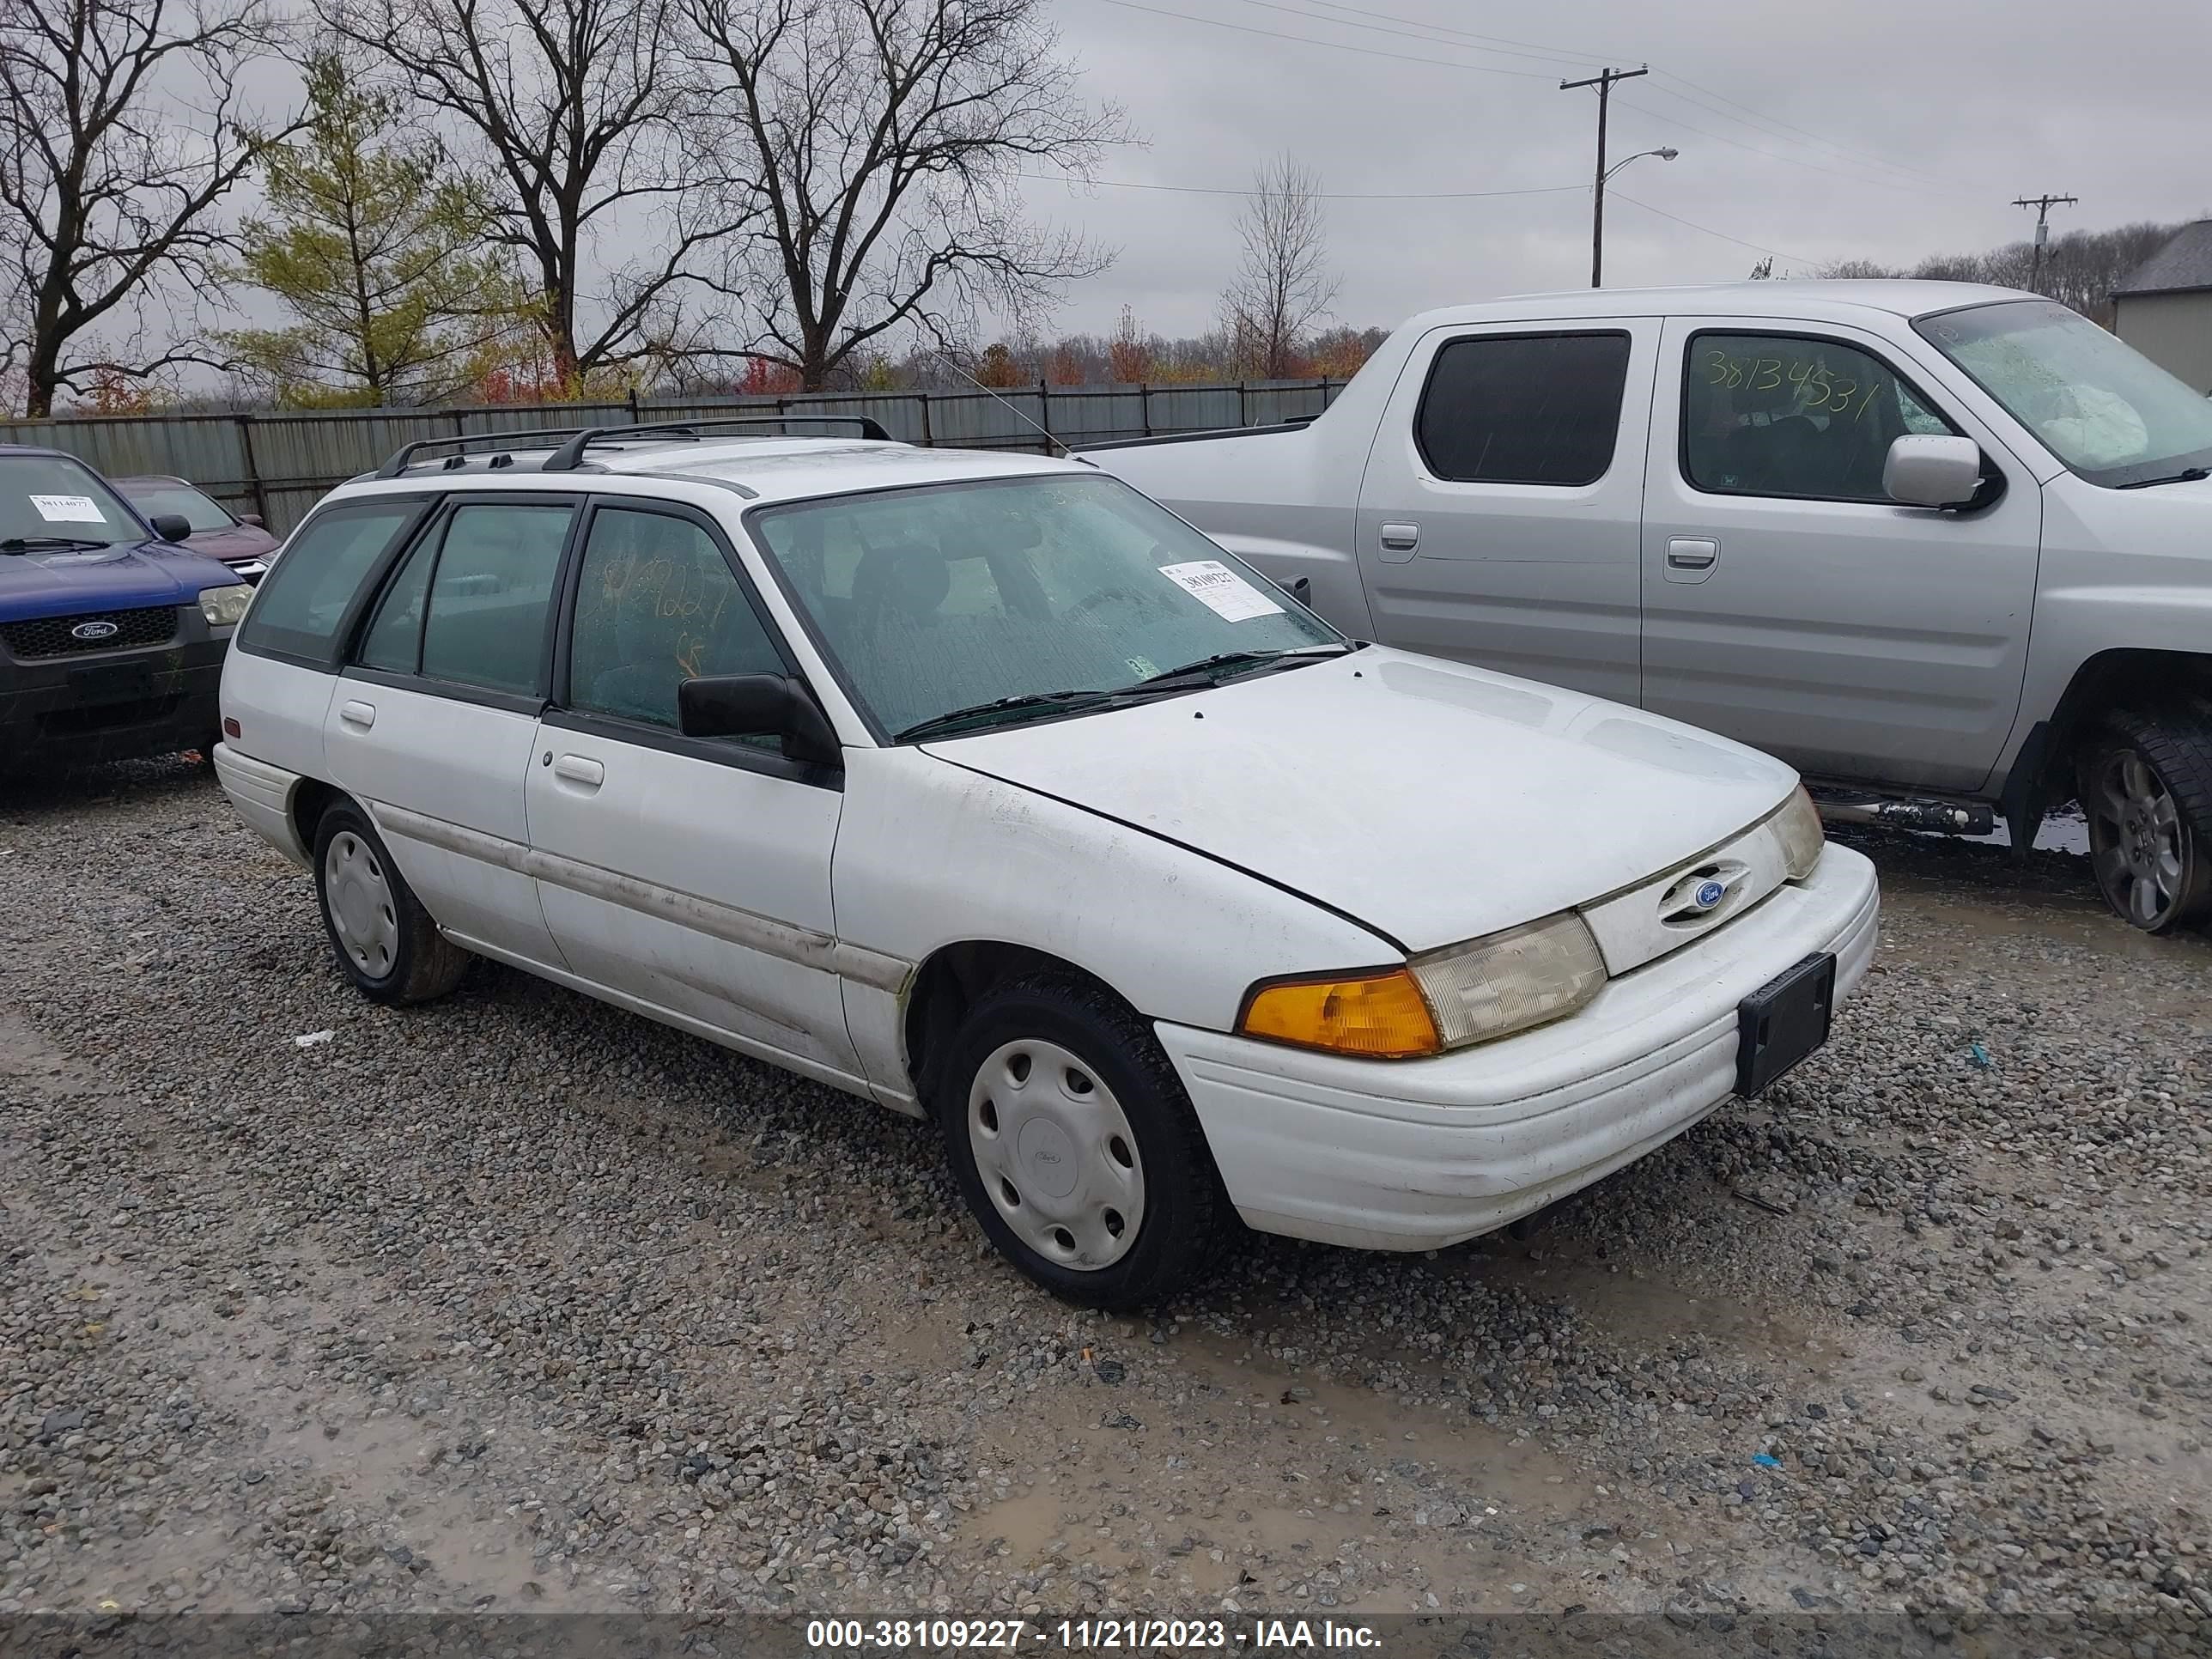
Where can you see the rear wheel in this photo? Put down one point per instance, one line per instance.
(384, 939)
(1075, 1145)
(2145, 782)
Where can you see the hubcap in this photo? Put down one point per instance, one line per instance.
(362, 914)
(2135, 839)
(1056, 1154)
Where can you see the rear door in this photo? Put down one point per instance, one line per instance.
(1787, 602)
(689, 875)
(431, 724)
(1498, 518)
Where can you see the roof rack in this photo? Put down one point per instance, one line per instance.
(403, 458)
(570, 455)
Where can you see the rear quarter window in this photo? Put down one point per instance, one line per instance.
(1523, 409)
(303, 602)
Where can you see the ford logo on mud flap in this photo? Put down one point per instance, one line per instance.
(94, 631)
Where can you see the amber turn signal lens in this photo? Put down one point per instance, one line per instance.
(1379, 1016)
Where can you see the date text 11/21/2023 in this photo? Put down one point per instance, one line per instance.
(1123, 1634)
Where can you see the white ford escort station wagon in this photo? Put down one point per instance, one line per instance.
(984, 787)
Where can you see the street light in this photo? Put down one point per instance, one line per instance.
(1597, 216)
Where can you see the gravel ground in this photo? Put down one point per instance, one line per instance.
(517, 1302)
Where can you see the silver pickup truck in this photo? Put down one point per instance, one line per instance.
(1945, 548)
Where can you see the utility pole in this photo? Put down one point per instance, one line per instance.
(1603, 81)
(2042, 204)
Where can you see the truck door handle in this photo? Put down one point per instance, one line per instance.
(1691, 552)
(363, 714)
(1401, 538)
(578, 770)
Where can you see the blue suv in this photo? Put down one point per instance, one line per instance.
(112, 640)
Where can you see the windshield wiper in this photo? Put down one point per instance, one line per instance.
(1212, 668)
(2187, 474)
(983, 713)
(39, 543)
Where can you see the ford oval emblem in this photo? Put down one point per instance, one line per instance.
(94, 631)
(1709, 894)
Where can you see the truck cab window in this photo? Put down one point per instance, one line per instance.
(1793, 415)
(1523, 409)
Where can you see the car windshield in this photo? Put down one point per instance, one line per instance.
(950, 596)
(45, 499)
(183, 501)
(2105, 409)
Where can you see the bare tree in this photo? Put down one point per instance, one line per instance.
(120, 130)
(1283, 286)
(573, 105)
(884, 139)
(2080, 269)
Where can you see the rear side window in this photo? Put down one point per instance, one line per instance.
(1795, 417)
(302, 602)
(1523, 409)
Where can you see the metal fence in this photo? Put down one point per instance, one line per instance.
(278, 465)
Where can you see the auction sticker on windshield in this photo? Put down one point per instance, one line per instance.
(1221, 590)
(69, 509)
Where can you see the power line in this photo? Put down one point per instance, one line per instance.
(1323, 195)
(1861, 178)
(1843, 151)
(1406, 34)
(1756, 247)
(1334, 46)
(2042, 204)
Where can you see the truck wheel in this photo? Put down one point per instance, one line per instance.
(1075, 1145)
(384, 939)
(2146, 787)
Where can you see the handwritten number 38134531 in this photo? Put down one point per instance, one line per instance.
(1819, 390)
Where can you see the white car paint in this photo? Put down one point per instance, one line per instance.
(1331, 816)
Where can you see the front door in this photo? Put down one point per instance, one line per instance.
(1787, 602)
(431, 724)
(690, 876)
(1498, 517)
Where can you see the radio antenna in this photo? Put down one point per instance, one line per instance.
(1019, 414)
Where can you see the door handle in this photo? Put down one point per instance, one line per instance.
(363, 714)
(1401, 538)
(577, 770)
(1692, 552)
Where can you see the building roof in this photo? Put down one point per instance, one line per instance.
(2183, 263)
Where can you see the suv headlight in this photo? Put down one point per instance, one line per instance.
(223, 606)
(1798, 825)
(1448, 999)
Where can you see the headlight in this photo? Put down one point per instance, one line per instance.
(223, 606)
(1447, 998)
(1798, 824)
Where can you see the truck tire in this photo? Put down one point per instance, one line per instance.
(2145, 782)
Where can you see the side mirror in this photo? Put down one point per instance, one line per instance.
(252, 518)
(1932, 470)
(1301, 591)
(758, 705)
(172, 526)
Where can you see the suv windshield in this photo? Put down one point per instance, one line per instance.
(2105, 409)
(186, 502)
(50, 499)
(1043, 594)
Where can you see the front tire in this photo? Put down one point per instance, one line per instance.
(383, 937)
(2145, 782)
(1075, 1145)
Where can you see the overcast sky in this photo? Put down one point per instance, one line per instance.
(1869, 129)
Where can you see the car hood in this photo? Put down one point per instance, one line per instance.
(1429, 800)
(239, 542)
(57, 583)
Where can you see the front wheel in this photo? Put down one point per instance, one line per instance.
(2145, 782)
(1075, 1145)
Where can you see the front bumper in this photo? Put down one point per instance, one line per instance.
(1415, 1155)
(113, 705)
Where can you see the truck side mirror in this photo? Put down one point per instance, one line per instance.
(1932, 470)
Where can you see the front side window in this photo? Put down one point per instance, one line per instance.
(2106, 411)
(1794, 416)
(302, 602)
(49, 500)
(1051, 592)
(1523, 409)
(656, 605)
